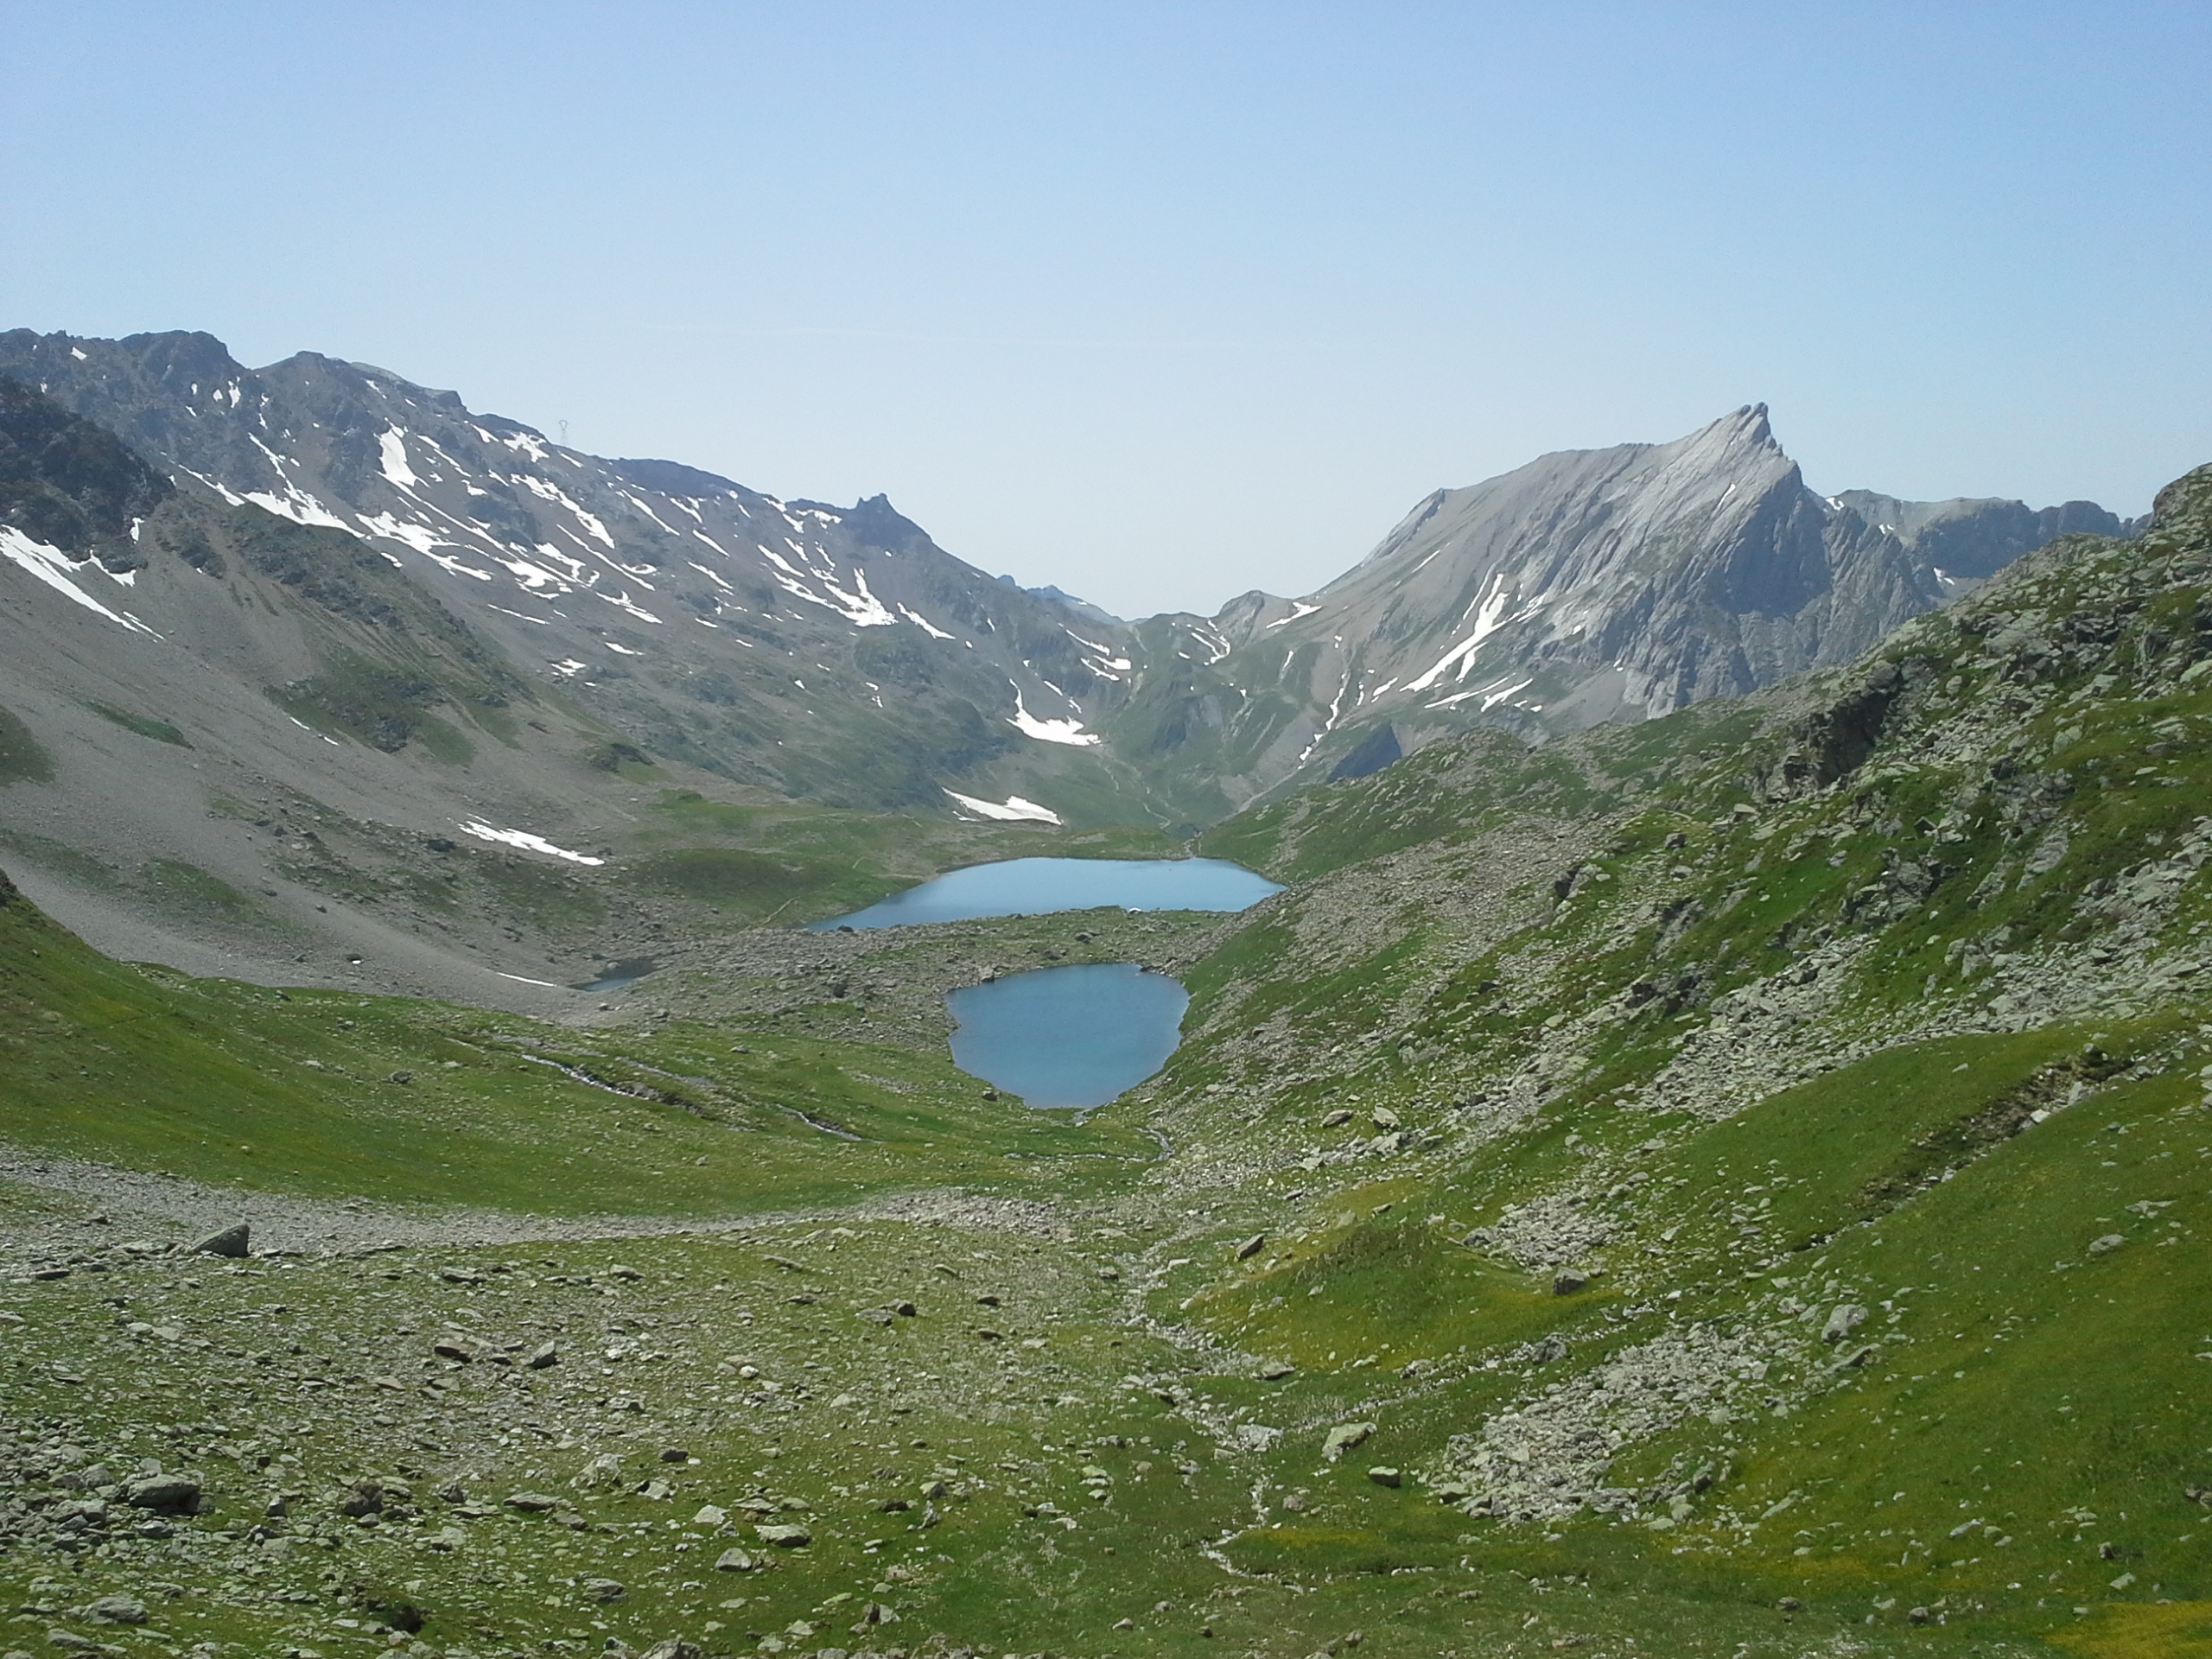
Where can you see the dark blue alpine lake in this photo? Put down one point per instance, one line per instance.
(1039, 886)
(1069, 1036)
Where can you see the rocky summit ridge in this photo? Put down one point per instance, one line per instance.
(1605, 584)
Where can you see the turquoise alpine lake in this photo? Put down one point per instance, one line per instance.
(1068, 1036)
(1038, 887)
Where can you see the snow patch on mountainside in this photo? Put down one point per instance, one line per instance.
(1069, 732)
(1013, 811)
(392, 445)
(525, 840)
(52, 567)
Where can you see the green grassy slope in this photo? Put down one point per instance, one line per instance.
(336, 1095)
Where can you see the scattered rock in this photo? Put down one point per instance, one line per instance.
(1344, 1436)
(1251, 1247)
(116, 1610)
(1846, 1317)
(533, 1503)
(735, 1561)
(604, 1589)
(1383, 1475)
(783, 1534)
(544, 1358)
(2109, 1244)
(1567, 1280)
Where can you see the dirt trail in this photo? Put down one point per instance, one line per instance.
(65, 1207)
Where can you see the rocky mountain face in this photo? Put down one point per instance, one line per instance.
(244, 744)
(1586, 587)
(824, 652)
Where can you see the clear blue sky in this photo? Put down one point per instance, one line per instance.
(1162, 302)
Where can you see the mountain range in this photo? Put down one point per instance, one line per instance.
(325, 589)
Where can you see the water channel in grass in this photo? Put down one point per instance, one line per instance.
(1068, 1036)
(1039, 886)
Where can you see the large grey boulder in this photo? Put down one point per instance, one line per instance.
(164, 1494)
(233, 1239)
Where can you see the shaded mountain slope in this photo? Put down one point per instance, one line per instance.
(830, 653)
(239, 743)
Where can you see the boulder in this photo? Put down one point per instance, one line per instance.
(116, 1610)
(233, 1239)
(783, 1534)
(164, 1494)
(1341, 1439)
(1846, 1317)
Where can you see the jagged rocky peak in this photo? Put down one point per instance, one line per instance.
(1622, 582)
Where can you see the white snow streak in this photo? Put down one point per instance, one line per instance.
(923, 624)
(1069, 732)
(1015, 810)
(525, 840)
(1490, 617)
(52, 567)
(395, 459)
